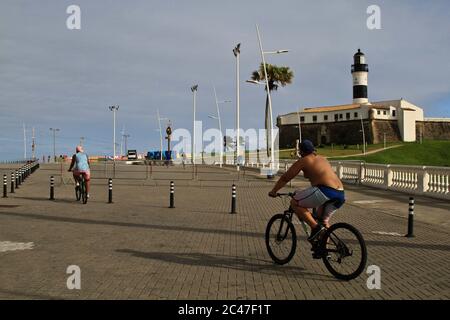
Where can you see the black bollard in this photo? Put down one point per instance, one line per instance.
(5, 186)
(52, 188)
(172, 195)
(17, 179)
(20, 176)
(110, 191)
(411, 218)
(12, 182)
(233, 199)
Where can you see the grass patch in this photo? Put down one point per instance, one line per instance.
(338, 150)
(429, 153)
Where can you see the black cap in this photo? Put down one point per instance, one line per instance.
(307, 147)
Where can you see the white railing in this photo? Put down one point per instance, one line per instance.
(421, 180)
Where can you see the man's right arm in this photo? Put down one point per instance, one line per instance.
(293, 171)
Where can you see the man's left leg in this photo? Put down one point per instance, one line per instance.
(87, 178)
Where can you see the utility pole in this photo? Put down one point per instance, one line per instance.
(194, 94)
(33, 146)
(125, 137)
(54, 130)
(24, 142)
(121, 141)
(237, 52)
(114, 109)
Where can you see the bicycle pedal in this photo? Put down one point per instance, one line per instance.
(317, 256)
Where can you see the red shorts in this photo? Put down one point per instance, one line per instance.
(86, 174)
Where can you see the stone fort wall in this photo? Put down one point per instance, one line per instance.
(433, 130)
(349, 132)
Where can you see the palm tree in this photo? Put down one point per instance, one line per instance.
(277, 76)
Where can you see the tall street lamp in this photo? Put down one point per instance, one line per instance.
(125, 137)
(114, 109)
(220, 122)
(237, 52)
(194, 93)
(160, 134)
(54, 130)
(272, 151)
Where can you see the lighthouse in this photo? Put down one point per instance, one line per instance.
(360, 71)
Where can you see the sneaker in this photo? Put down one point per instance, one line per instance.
(87, 195)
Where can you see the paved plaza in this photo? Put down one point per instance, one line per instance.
(138, 248)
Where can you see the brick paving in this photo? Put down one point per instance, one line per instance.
(138, 248)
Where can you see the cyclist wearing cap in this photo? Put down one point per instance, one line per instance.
(80, 165)
(326, 187)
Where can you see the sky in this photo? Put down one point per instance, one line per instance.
(145, 55)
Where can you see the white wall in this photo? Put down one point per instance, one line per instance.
(387, 116)
(292, 118)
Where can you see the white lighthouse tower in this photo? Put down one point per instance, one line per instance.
(360, 72)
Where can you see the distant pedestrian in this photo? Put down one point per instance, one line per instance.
(183, 160)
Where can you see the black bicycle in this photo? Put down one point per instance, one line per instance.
(341, 247)
(81, 191)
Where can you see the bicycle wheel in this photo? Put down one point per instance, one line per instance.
(344, 251)
(281, 239)
(83, 191)
(77, 192)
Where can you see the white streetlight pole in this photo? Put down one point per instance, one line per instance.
(220, 122)
(269, 98)
(33, 145)
(126, 136)
(194, 92)
(114, 109)
(299, 133)
(237, 52)
(160, 134)
(54, 130)
(24, 142)
(272, 154)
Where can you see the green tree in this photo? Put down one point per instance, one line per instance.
(277, 76)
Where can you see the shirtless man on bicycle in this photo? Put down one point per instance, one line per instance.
(80, 165)
(326, 187)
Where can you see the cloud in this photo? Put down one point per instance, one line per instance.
(145, 55)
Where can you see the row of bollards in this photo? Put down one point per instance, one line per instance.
(172, 197)
(18, 177)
